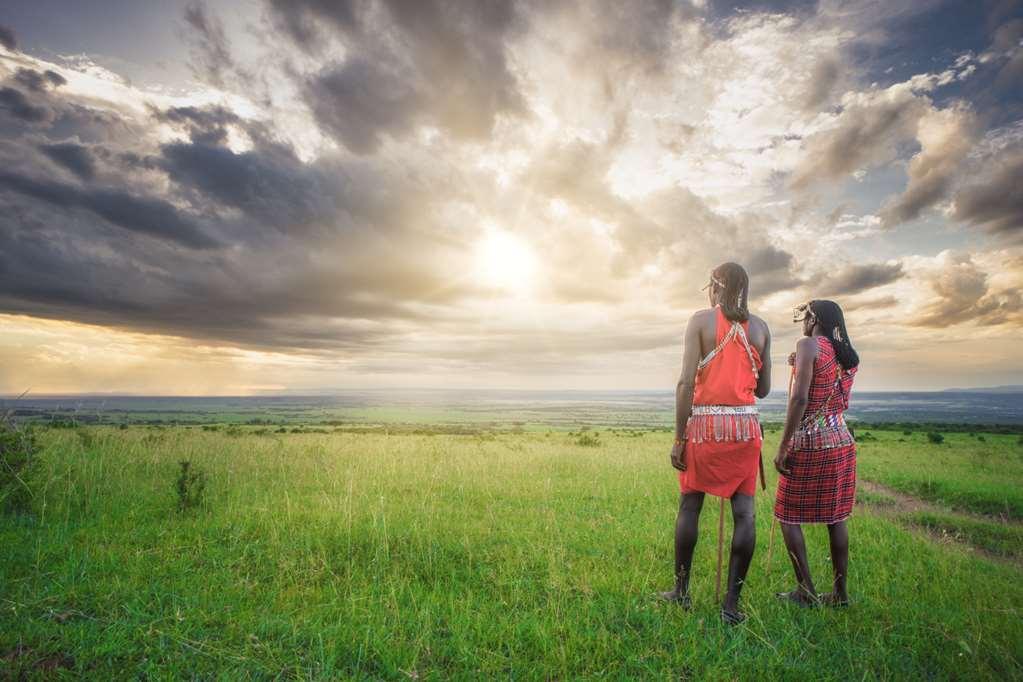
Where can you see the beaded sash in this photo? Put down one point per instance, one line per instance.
(723, 423)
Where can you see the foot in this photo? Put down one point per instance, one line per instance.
(676, 596)
(800, 598)
(733, 617)
(835, 600)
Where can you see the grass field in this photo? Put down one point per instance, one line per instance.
(526, 555)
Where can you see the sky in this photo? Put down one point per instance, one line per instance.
(236, 197)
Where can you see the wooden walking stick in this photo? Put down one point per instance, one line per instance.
(721, 543)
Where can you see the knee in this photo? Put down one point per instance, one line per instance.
(692, 503)
(743, 517)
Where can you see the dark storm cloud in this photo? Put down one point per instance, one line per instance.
(204, 124)
(7, 38)
(271, 185)
(74, 157)
(16, 104)
(996, 203)
(144, 215)
(407, 63)
(313, 263)
(854, 279)
(36, 81)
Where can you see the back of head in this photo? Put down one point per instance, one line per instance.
(832, 322)
(734, 296)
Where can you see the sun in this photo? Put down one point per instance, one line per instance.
(505, 262)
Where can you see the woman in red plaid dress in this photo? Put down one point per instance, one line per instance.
(817, 454)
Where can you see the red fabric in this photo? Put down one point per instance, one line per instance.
(724, 468)
(728, 378)
(821, 484)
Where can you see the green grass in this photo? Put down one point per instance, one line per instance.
(373, 556)
(962, 472)
(1001, 539)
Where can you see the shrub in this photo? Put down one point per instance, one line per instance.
(18, 458)
(907, 433)
(588, 441)
(935, 437)
(190, 486)
(982, 439)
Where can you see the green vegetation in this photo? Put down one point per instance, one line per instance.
(18, 459)
(1001, 539)
(964, 473)
(471, 556)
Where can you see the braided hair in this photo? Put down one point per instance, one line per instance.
(734, 299)
(832, 322)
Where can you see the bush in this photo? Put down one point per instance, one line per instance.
(935, 437)
(588, 441)
(907, 433)
(190, 486)
(18, 458)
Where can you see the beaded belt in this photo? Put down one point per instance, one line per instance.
(725, 409)
(723, 423)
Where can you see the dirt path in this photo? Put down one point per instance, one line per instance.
(902, 505)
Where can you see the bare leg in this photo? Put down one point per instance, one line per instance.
(687, 528)
(839, 536)
(796, 546)
(744, 540)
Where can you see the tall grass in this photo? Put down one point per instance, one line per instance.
(449, 556)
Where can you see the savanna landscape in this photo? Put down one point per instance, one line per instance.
(323, 553)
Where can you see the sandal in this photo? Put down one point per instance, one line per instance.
(832, 600)
(684, 601)
(732, 617)
(799, 599)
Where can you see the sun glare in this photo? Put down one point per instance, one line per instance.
(504, 261)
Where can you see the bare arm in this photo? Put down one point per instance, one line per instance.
(764, 380)
(684, 391)
(806, 353)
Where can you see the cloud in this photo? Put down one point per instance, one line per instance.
(823, 80)
(17, 105)
(73, 157)
(204, 124)
(865, 133)
(407, 64)
(210, 48)
(853, 279)
(7, 38)
(995, 202)
(144, 215)
(770, 270)
(38, 82)
(963, 294)
(946, 137)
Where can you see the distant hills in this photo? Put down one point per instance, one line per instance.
(1014, 388)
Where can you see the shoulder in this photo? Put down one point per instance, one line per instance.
(703, 317)
(757, 322)
(807, 344)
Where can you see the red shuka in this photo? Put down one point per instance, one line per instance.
(722, 451)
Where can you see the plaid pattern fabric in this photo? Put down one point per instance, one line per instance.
(821, 484)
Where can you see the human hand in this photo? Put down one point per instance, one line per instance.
(781, 461)
(678, 455)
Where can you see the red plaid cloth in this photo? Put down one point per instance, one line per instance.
(821, 484)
